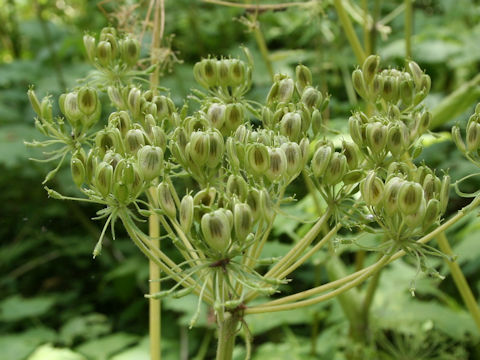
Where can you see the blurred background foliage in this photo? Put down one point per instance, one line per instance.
(56, 302)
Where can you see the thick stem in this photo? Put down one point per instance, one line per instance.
(408, 28)
(349, 31)
(460, 281)
(154, 304)
(227, 330)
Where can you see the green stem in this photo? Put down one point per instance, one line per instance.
(262, 46)
(366, 28)
(460, 281)
(227, 331)
(349, 31)
(408, 28)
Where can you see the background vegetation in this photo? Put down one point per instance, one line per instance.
(53, 295)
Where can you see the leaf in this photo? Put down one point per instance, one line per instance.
(85, 327)
(19, 346)
(188, 306)
(48, 352)
(16, 308)
(103, 348)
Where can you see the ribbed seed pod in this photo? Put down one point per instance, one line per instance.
(253, 200)
(355, 127)
(186, 213)
(198, 147)
(285, 90)
(237, 186)
(216, 115)
(205, 197)
(150, 161)
(444, 192)
(429, 187)
(273, 93)
(71, 109)
(158, 137)
(473, 136)
(209, 72)
(396, 141)
(236, 72)
(406, 91)
(390, 199)
(293, 154)
(216, 230)
(416, 218)
(134, 140)
(130, 51)
(303, 76)
(311, 97)
(370, 67)
(165, 199)
(222, 72)
(103, 178)
(278, 164)
(410, 197)
(104, 53)
(78, 171)
(359, 83)
(431, 213)
(321, 160)
(291, 126)
(304, 145)
(317, 121)
(216, 149)
(376, 137)
(258, 159)
(234, 116)
(121, 192)
(266, 206)
(336, 170)
(457, 139)
(351, 152)
(372, 189)
(108, 139)
(416, 72)
(242, 220)
(89, 43)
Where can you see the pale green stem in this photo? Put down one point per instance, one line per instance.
(355, 275)
(366, 28)
(227, 331)
(460, 281)
(262, 46)
(408, 28)
(349, 31)
(290, 306)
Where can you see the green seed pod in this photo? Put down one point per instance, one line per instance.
(317, 121)
(416, 218)
(232, 156)
(234, 116)
(424, 122)
(429, 185)
(390, 89)
(198, 75)
(305, 150)
(477, 109)
(293, 154)
(311, 97)
(216, 115)
(242, 220)
(372, 189)
(108, 139)
(253, 201)
(425, 84)
(359, 83)
(303, 76)
(103, 178)
(444, 193)
(258, 159)
(121, 192)
(89, 43)
(158, 137)
(370, 68)
(396, 168)
(216, 230)
(165, 199)
(237, 186)
(291, 126)
(71, 110)
(431, 213)
(351, 152)
(457, 139)
(186, 213)
(321, 160)
(406, 91)
(130, 51)
(410, 197)
(376, 87)
(198, 148)
(90, 166)
(355, 127)
(236, 72)
(223, 72)
(285, 90)
(376, 136)
(278, 164)
(78, 171)
(133, 178)
(266, 206)
(352, 177)
(150, 162)
(34, 101)
(396, 140)
(216, 149)
(209, 72)
(46, 110)
(112, 158)
(134, 140)
(473, 136)
(267, 117)
(273, 93)
(241, 134)
(115, 97)
(205, 197)
(336, 170)
(134, 101)
(390, 199)
(416, 73)
(104, 53)
(88, 100)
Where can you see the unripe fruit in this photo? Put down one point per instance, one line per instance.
(134, 140)
(166, 201)
(303, 76)
(150, 162)
(278, 164)
(78, 171)
(258, 159)
(242, 220)
(321, 160)
(237, 186)
(370, 67)
(103, 178)
(336, 170)
(410, 197)
(216, 115)
(186, 213)
(216, 230)
(293, 154)
(291, 126)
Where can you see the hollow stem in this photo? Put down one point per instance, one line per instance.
(408, 28)
(349, 31)
(227, 330)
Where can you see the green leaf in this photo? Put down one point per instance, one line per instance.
(19, 346)
(48, 352)
(16, 308)
(85, 327)
(103, 348)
